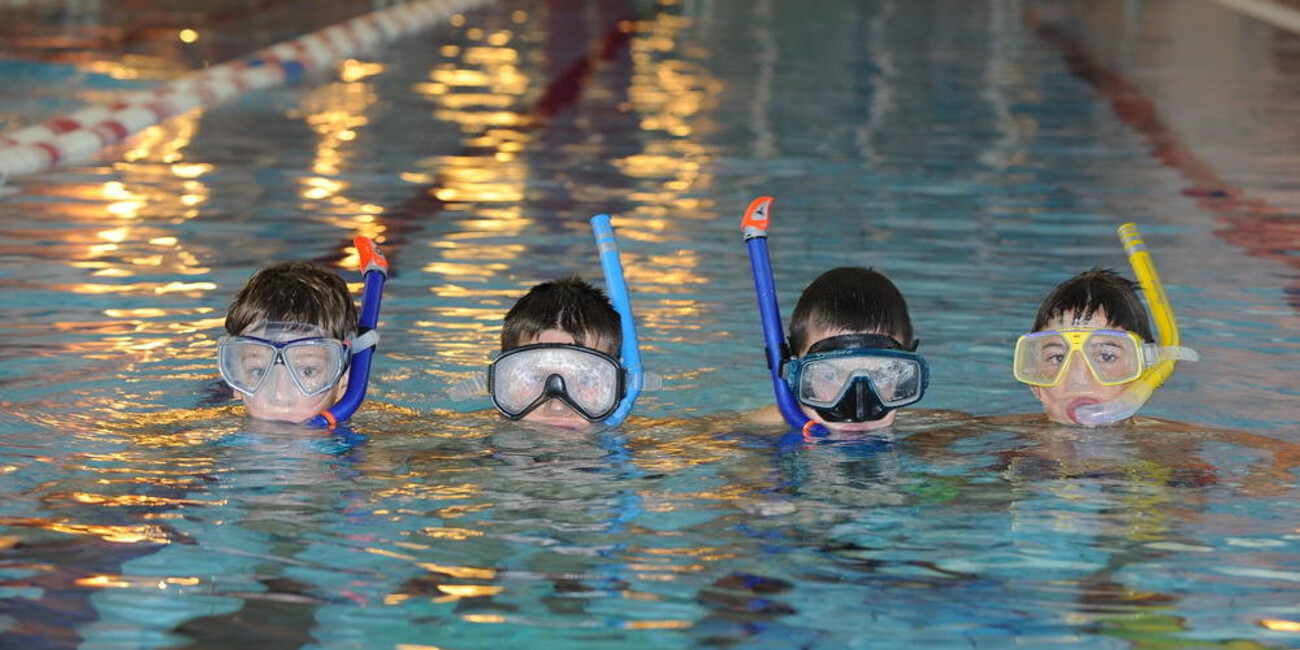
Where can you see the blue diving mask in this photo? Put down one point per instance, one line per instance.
(857, 377)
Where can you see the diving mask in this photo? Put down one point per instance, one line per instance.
(313, 362)
(1113, 357)
(588, 381)
(857, 377)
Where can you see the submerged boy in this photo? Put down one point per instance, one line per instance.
(558, 363)
(1091, 339)
(288, 342)
(855, 360)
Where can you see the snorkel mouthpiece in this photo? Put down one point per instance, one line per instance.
(374, 268)
(753, 228)
(1140, 390)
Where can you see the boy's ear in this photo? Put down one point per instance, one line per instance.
(343, 384)
(1037, 391)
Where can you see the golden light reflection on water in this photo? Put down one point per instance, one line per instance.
(132, 500)
(124, 582)
(463, 572)
(1280, 625)
(481, 88)
(657, 625)
(483, 618)
(114, 534)
(338, 114)
(457, 592)
(452, 534)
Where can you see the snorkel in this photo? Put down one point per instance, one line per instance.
(753, 227)
(374, 268)
(612, 265)
(1139, 391)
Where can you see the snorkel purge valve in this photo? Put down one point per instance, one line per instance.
(374, 268)
(753, 227)
(1138, 392)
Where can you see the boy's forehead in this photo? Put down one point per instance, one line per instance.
(1070, 319)
(555, 335)
(280, 331)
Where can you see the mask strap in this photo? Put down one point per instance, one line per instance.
(1154, 354)
(469, 388)
(364, 342)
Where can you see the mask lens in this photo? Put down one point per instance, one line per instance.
(590, 380)
(1114, 358)
(245, 363)
(315, 364)
(1040, 358)
(824, 382)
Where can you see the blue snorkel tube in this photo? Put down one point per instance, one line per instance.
(754, 229)
(630, 353)
(374, 268)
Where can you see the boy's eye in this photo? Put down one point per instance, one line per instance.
(826, 374)
(1108, 354)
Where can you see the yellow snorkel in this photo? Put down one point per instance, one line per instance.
(1170, 352)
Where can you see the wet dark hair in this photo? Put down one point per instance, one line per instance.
(570, 305)
(854, 299)
(294, 292)
(1093, 290)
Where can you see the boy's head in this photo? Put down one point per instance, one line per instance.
(301, 305)
(558, 362)
(855, 359)
(1067, 361)
(1096, 290)
(849, 299)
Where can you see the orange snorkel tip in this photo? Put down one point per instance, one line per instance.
(755, 222)
(371, 257)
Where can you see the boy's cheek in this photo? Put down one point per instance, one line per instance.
(299, 411)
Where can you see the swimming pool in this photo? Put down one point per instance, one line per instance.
(977, 153)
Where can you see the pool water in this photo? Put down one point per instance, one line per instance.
(976, 153)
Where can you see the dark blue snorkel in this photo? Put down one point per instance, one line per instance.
(374, 268)
(612, 265)
(754, 229)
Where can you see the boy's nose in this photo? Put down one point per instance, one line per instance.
(282, 389)
(1077, 375)
(555, 406)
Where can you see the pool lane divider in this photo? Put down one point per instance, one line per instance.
(82, 134)
(1273, 13)
(1258, 227)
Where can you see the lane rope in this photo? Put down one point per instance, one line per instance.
(80, 135)
(1277, 15)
